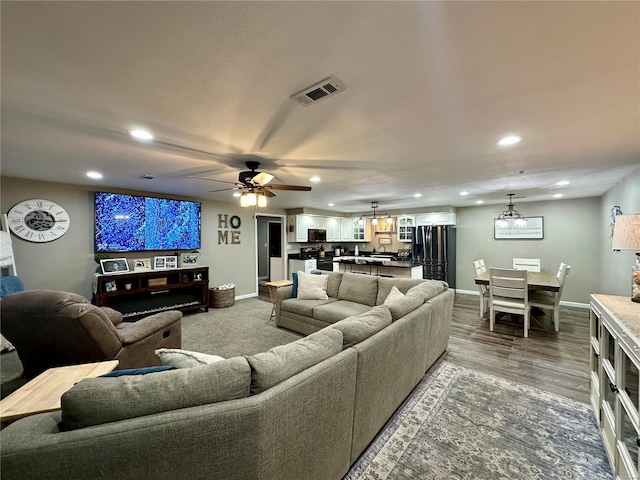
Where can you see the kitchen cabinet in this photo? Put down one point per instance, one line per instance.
(614, 379)
(305, 266)
(405, 222)
(436, 218)
(346, 230)
(361, 233)
(298, 228)
(333, 229)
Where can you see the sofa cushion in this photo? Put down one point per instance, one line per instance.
(312, 287)
(338, 310)
(401, 306)
(302, 307)
(393, 294)
(356, 329)
(403, 284)
(333, 284)
(429, 289)
(359, 288)
(95, 401)
(285, 361)
(179, 358)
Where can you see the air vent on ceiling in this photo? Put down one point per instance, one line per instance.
(321, 90)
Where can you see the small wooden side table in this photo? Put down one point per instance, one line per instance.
(43, 393)
(273, 288)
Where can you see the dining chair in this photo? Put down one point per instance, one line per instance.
(560, 269)
(509, 293)
(552, 301)
(484, 291)
(529, 264)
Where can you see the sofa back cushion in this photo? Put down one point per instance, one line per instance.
(356, 329)
(386, 284)
(285, 361)
(359, 288)
(429, 289)
(333, 285)
(399, 307)
(95, 401)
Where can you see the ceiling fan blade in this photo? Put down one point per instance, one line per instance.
(262, 178)
(296, 188)
(224, 189)
(212, 179)
(268, 193)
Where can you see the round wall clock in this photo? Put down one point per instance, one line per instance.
(38, 220)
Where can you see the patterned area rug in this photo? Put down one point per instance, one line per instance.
(462, 424)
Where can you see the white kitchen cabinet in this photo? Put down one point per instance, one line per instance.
(436, 218)
(305, 266)
(615, 380)
(303, 224)
(405, 222)
(361, 233)
(333, 229)
(346, 230)
(320, 222)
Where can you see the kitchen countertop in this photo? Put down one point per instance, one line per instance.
(360, 260)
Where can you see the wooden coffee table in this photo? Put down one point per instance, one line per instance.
(43, 393)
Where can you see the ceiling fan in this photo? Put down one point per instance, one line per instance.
(253, 181)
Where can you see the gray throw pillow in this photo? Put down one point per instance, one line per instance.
(285, 361)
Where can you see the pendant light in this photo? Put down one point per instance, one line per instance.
(510, 214)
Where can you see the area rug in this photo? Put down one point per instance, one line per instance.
(462, 424)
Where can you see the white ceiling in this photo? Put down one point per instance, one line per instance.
(430, 86)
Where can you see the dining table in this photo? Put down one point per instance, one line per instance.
(535, 280)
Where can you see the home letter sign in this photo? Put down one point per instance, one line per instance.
(224, 222)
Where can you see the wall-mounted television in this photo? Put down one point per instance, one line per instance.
(132, 223)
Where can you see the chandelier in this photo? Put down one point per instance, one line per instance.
(510, 214)
(375, 218)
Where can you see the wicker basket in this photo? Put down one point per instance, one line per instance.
(222, 298)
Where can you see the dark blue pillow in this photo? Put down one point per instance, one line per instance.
(294, 287)
(138, 371)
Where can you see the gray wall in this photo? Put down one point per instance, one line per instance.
(68, 263)
(616, 266)
(571, 235)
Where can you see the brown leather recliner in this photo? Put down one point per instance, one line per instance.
(52, 329)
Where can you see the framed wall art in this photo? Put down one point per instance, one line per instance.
(534, 230)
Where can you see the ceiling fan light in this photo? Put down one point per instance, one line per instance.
(248, 200)
(262, 201)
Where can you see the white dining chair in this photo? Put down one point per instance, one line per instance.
(509, 293)
(529, 264)
(484, 291)
(551, 300)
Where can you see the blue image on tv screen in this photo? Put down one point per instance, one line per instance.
(125, 223)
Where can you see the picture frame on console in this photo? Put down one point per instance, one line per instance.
(110, 286)
(189, 259)
(159, 263)
(114, 265)
(141, 264)
(171, 261)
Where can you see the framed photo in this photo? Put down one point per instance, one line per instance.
(171, 262)
(110, 286)
(189, 259)
(114, 265)
(141, 264)
(159, 263)
(534, 230)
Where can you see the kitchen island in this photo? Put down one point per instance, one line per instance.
(377, 266)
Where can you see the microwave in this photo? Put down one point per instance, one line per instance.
(317, 235)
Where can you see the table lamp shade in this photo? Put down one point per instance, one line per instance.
(626, 236)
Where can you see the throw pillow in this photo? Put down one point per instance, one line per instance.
(312, 287)
(184, 358)
(138, 371)
(294, 287)
(393, 294)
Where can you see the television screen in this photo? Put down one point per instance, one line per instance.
(130, 223)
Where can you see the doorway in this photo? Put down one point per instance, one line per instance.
(270, 248)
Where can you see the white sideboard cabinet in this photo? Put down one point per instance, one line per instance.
(614, 379)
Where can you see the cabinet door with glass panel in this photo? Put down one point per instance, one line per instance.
(405, 222)
(627, 417)
(608, 389)
(595, 321)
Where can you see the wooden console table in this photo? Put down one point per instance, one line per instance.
(137, 294)
(273, 288)
(43, 393)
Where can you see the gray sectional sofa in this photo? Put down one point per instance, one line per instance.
(305, 410)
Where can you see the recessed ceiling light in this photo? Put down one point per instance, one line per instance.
(464, 193)
(141, 134)
(557, 195)
(417, 195)
(562, 183)
(94, 175)
(329, 204)
(314, 179)
(479, 201)
(509, 140)
(236, 194)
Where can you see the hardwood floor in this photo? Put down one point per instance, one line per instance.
(557, 362)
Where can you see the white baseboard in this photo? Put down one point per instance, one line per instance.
(246, 295)
(563, 303)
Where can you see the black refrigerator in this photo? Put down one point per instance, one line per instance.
(434, 247)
